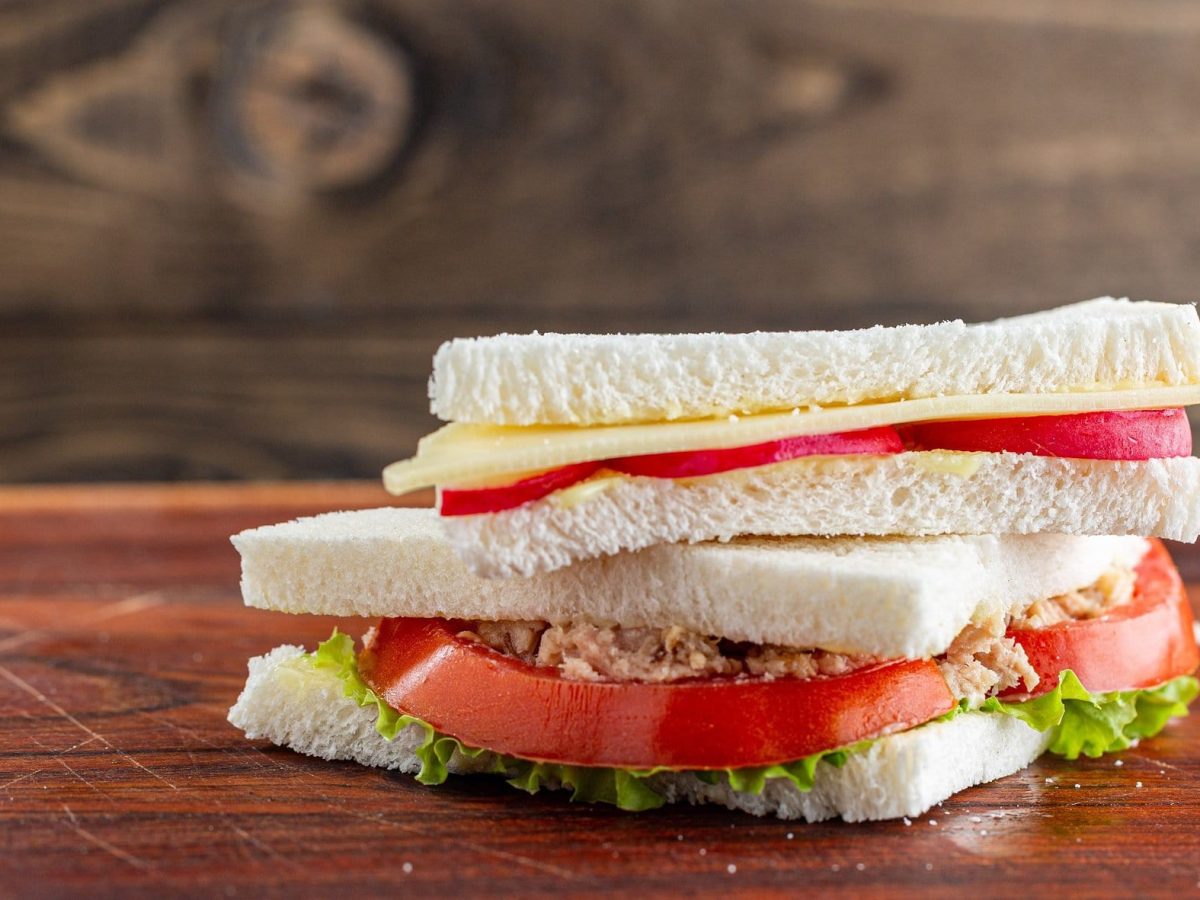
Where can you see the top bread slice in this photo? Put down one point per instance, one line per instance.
(578, 379)
(875, 596)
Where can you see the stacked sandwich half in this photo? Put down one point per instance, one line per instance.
(808, 574)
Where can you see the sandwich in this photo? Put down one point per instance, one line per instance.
(806, 678)
(810, 575)
(566, 447)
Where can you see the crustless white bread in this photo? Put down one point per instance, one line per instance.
(906, 494)
(876, 597)
(575, 379)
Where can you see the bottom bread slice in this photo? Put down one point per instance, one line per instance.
(303, 708)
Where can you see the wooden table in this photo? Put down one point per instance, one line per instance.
(123, 642)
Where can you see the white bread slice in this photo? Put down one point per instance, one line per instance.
(901, 775)
(580, 379)
(876, 596)
(905, 494)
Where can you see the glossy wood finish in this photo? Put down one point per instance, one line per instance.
(123, 642)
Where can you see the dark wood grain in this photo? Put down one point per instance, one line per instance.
(288, 158)
(215, 402)
(122, 644)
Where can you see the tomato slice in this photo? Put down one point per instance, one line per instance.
(691, 463)
(1147, 641)
(493, 499)
(1132, 435)
(1118, 435)
(694, 463)
(486, 699)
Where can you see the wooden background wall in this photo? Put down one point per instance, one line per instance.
(232, 233)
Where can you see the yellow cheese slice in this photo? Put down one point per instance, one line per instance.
(461, 455)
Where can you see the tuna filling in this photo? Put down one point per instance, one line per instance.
(980, 662)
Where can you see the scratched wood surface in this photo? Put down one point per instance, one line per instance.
(122, 644)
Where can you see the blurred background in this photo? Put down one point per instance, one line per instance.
(233, 233)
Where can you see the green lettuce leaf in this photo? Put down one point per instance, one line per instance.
(337, 656)
(1084, 723)
(1093, 724)
(801, 773)
(623, 788)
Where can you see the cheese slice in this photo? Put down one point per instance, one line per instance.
(463, 455)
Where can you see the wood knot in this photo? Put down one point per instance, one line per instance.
(810, 88)
(306, 101)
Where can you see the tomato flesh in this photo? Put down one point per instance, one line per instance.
(1143, 643)
(688, 464)
(486, 699)
(695, 463)
(508, 496)
(1129, 435)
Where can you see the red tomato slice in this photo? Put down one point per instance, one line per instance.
(694, 463)
(487, 699)
(1137, 434)
(690, 463)
(1121, 435)
(493, 499)
(1141, 644)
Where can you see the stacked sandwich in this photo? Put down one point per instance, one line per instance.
(809, 574)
